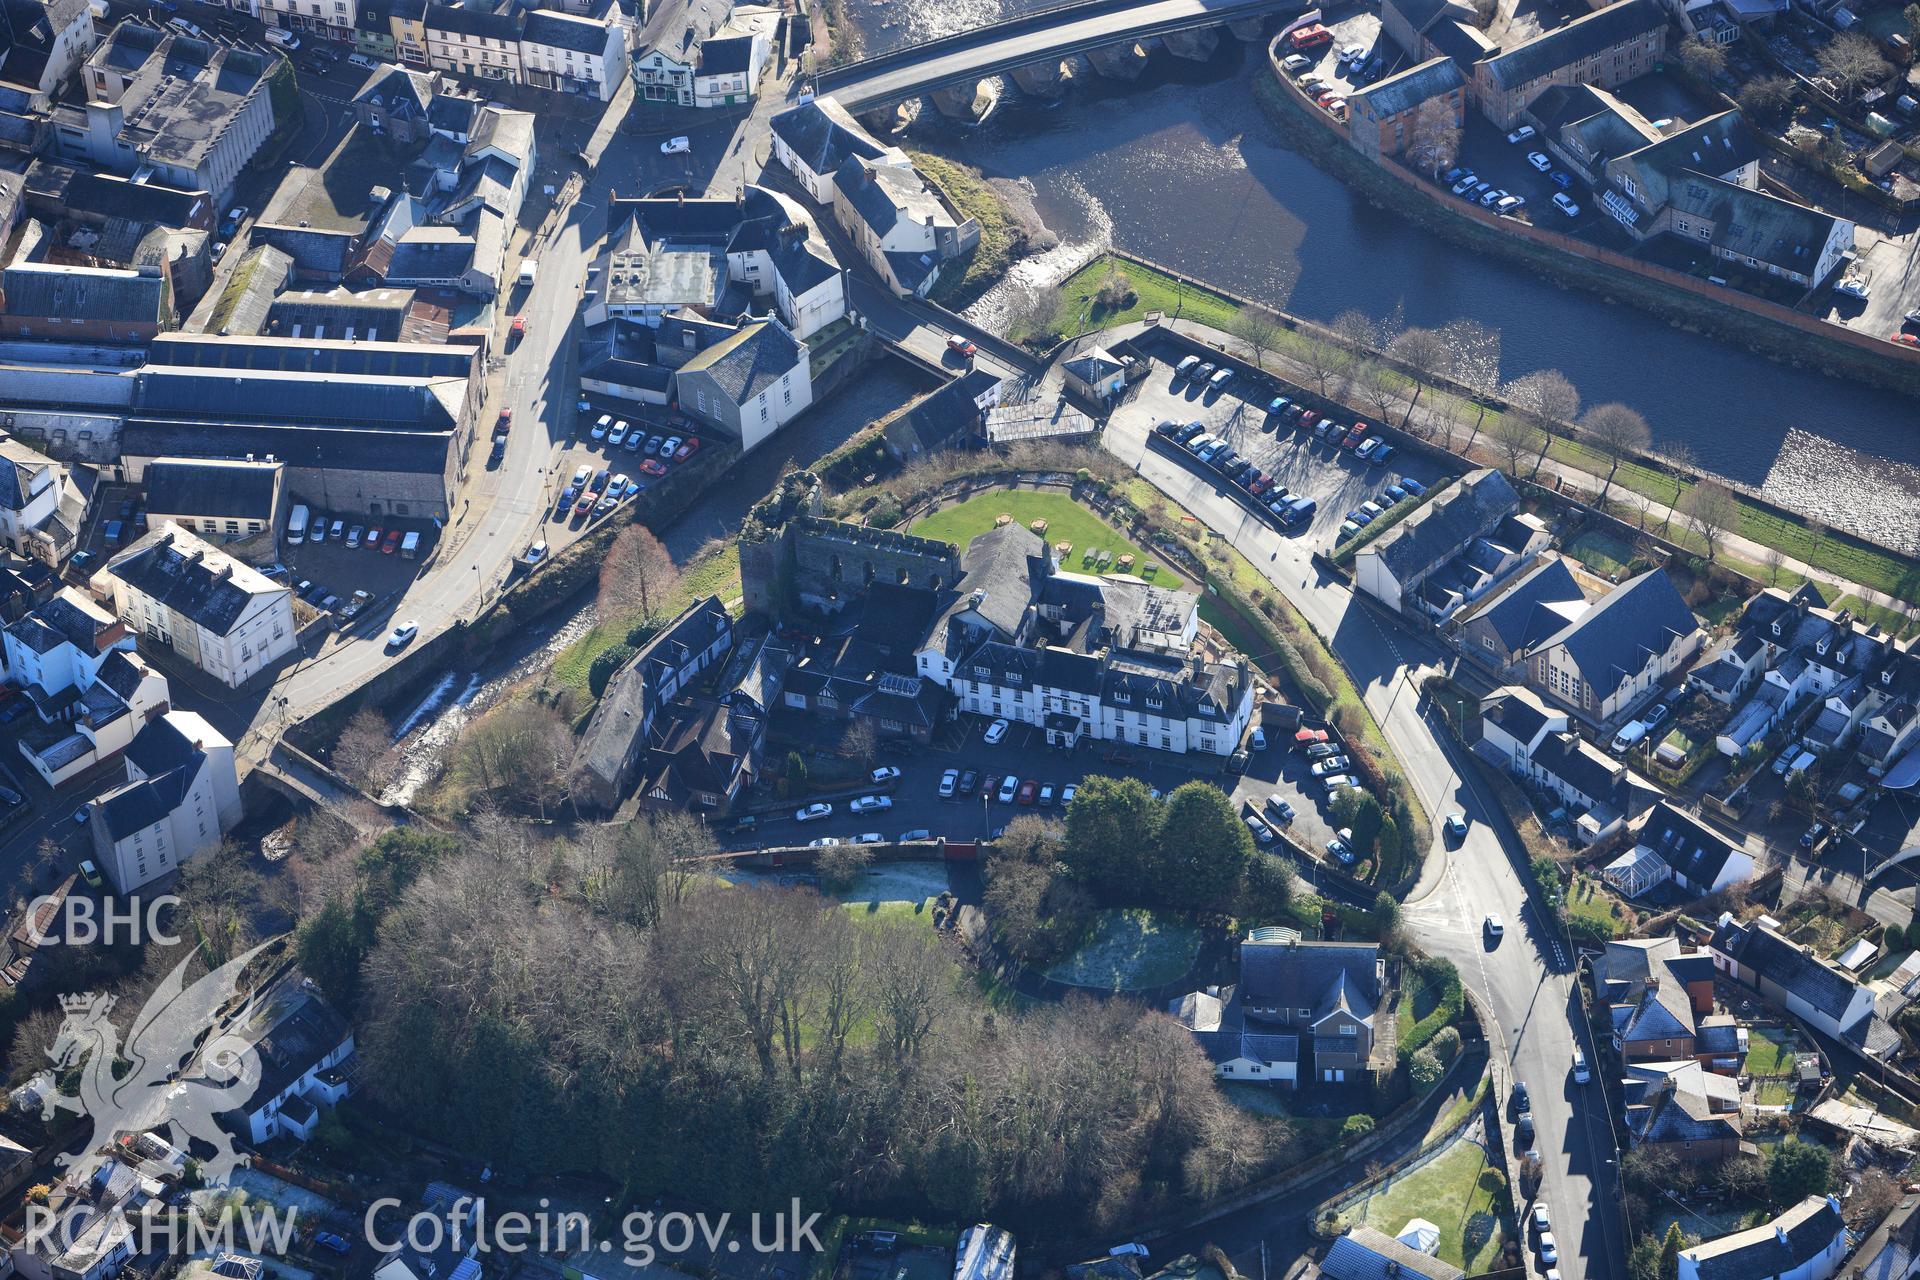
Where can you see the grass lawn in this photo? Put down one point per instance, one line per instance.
(896, 891)
(1462, 1097)
(712, 573)
(1769, 1053)
(1130, 948)
(1456, 1191)
(1890, 620)
(1067, 521)
(1773, 1093)
(1078, 308)
(1588, 901)
(1602, 553)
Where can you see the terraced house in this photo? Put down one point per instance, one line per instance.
(1606, 48)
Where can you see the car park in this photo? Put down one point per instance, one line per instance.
(813, 812)
(870, 804)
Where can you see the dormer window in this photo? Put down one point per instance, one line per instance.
(1776, 628)
(1013, 677)
(981, 673)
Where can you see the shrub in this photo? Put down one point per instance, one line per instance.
(885, 513)
(1425, 1069)
(641, 633)
(1447, 1045)
(605, 665)
(1357, 1126)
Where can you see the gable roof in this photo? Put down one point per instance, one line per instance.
(1624, 630)
(211, 487)
(565, 31)
(1523, 615)
(1298, 974)
(750, 361)
(1775, 1248)
(191, 577)
(1756, 224)
(1408, 89)
(1364, 1253)
(823, 135)
(1445, 524)
(1583, 38)
(1684, 843)
(85, 293)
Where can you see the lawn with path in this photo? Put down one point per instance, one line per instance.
(1067, 521)
(1458, 1191)
(1130, 948)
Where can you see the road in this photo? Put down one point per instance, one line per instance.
(1528, 978)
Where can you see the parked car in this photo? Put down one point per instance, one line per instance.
(1520, 135)
(813, 812)
(1340, 850)
(949, 781)
(1321, 750)
(1028, 793)
(1329, 766)
(969, 779)
(403, 635)
(1581, 1074)
(996, 731)
(1564, 204)
(676, 146)
(1009, 788)
(1538, 159)
(960, 346)
(870, 804)
(887, 773)
(1378, 458)
(1262, 833)
(1465, 183)
(1067, 793)
(1337, 782)
(1413, 487)
(1280, 808)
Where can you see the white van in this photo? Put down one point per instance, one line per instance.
(410, 546)
(1628, 736)
(285, 39)
(185, 28)
(1801, 764)
(297, 525)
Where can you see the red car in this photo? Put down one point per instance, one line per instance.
(1308, 417)
(960, 346)
(1355, 436)
(519, 327)
(990, 784)
(651, 467)
(1307, 737)
(391, 543)
(585, 505)
(1906, 340)
(506, 419)
(1028, 790)
(687, 450)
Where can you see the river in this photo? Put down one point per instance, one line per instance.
(1182, 167)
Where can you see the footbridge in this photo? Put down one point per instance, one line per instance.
(1043, 38)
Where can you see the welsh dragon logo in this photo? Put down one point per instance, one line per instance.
(163, 1079)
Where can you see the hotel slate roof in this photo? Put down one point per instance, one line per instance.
(1624, 630)
(749, 362)
(1582, 38)
(565, 31)
(191, 578)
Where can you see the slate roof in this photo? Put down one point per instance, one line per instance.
(1408, 89)
(1823, 987)
(1522, 615)
(1624, 630)
(1774, 1248)
(397, 87)
(453, 112)
(823, 134)
(565, 31)
(882, 195)
(135, 806)
(1517, 711)
(750, 361)
(1754, 224)
(161, 747)
(400, 452)
(191, 577)
(1444, 525)
(1299, 974)
(725, 55)
(999, 566)
(1580, 765)
(85, 293)
(211, 487)
(1689, 846)
(473, 21)
(1366, 1254)
(1582, 38)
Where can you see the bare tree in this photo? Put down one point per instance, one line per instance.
(637, 576)
(1712, 511)
(1258, 328)
(1853, 63)
(1378, 386)
(1327, 360)
(842, 864)
(1774, 558)
(1548, 399)
(518, 751)
(1357, 330)
(1434, 141)
(1425, 352)
(1030, 311)
(1766, 98)
(1513, 437)
(364, 753)
(1619, 432)
(913, 986)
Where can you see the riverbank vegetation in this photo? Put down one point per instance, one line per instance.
(1444, 384)
(1000, 238)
